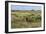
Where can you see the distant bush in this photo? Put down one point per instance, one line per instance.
(13, 10)
(38, 17)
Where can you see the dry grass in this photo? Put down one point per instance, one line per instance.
(25, 19)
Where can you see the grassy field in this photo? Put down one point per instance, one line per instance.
(25, 19)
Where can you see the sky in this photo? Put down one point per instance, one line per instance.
(24, 7)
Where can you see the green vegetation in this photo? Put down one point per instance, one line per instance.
(25, 19)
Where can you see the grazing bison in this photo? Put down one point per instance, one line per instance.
(28, 19)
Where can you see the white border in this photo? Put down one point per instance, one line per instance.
(24, 29)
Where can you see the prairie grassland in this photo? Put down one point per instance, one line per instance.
(25, 19)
